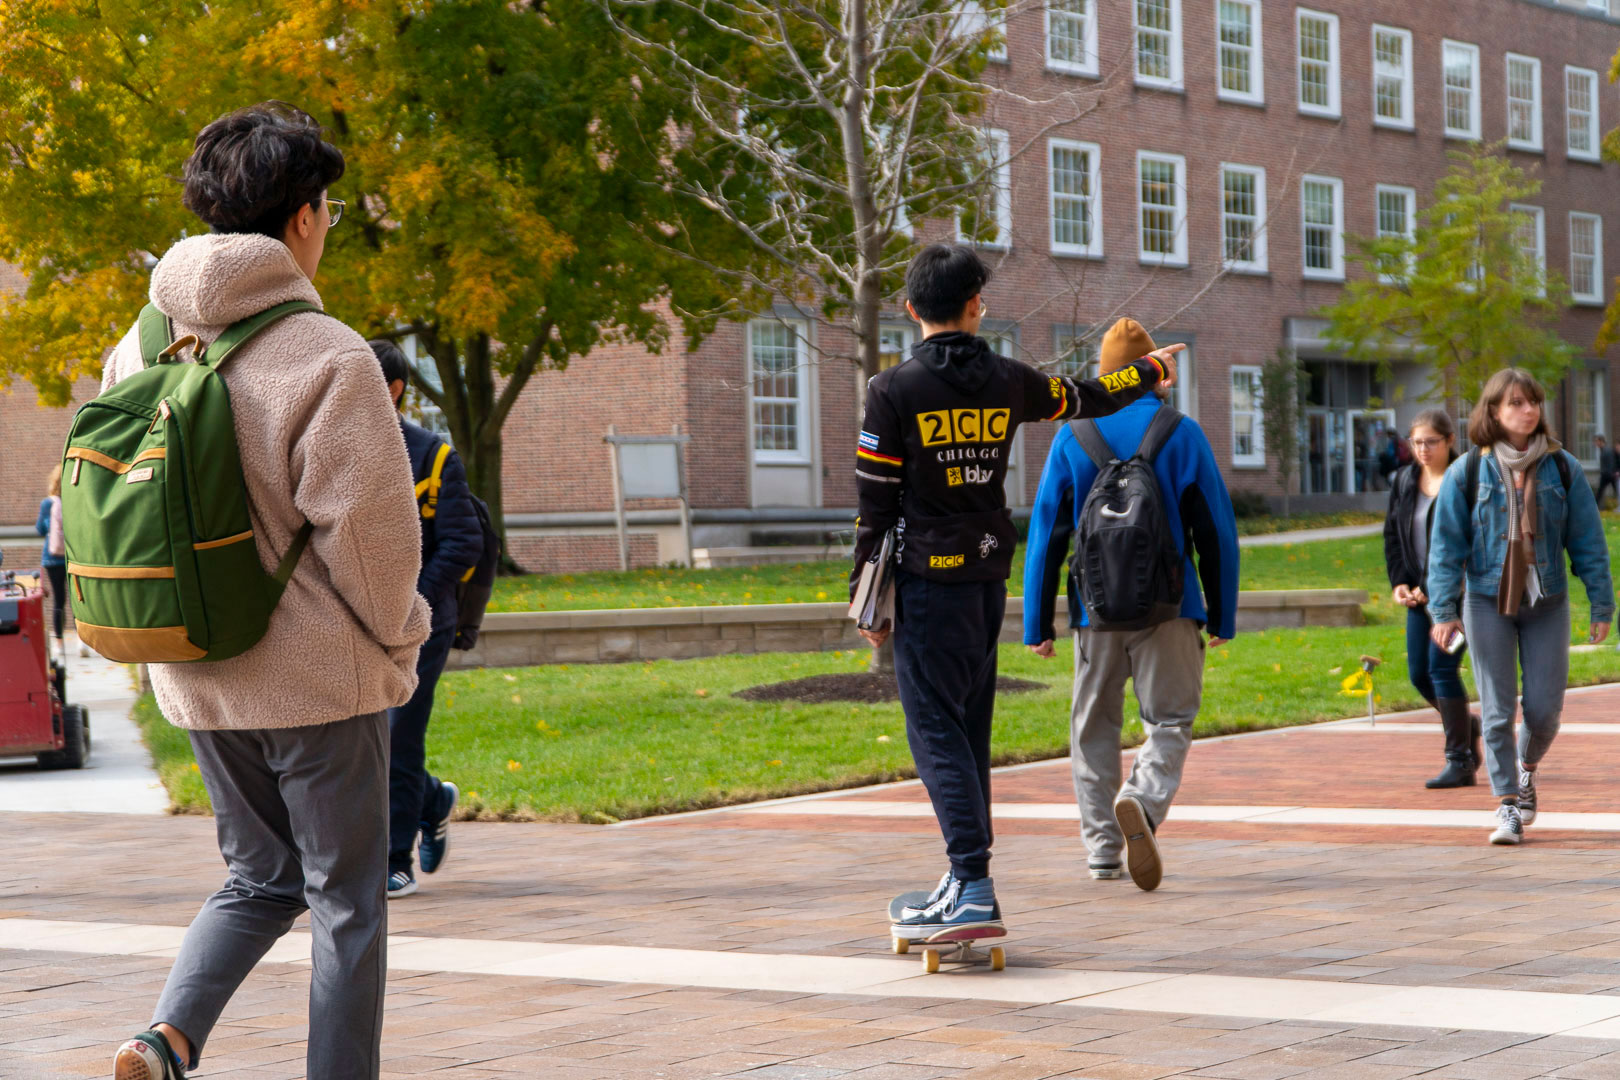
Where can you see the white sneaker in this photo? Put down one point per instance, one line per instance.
(1509, 826)
(84, 650)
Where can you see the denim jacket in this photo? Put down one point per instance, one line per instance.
(1474, 547)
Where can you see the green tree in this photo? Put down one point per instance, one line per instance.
(495, 191)
(1465, 290)
(1282, 386)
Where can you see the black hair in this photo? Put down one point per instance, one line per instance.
(395, 367)
(942, 279)
(253, 169)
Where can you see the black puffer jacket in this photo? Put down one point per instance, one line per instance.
(1399, 558)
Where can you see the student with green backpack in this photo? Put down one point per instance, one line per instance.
(232, 506)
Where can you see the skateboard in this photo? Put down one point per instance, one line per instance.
(953, 945)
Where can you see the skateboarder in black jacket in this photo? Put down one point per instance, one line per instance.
(932, 464)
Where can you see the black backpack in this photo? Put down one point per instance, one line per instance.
(1129, 571)
(472, 595)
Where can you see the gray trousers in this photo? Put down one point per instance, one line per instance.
(1166, 663)
(1537, 639)
(302, 817)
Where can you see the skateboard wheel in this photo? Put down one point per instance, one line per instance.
(930, 961)
(901, 946)
(998, 958)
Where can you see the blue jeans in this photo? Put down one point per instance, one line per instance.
(1433, 671)
(945, 639)
(412, 792)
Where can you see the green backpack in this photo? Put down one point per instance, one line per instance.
(160, 547)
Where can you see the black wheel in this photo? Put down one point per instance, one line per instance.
(75, 741)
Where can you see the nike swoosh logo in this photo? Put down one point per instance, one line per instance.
(1107, 513)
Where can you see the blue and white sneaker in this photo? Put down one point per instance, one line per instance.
(911, 911)
(966, 905)
(401, 883)
(436, 833)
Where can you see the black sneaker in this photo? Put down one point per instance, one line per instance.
(1106, 871)
(436, 833)
(1527, 795)
(147, 1057)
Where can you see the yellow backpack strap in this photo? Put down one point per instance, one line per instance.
(430, 487)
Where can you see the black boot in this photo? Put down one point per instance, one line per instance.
(1475, 725)
(1460, 766)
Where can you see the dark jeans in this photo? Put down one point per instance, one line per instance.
(945, 662)
(1432, 670)
(412, 792)
(58, 578)
(1606, 483)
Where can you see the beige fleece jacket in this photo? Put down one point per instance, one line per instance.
(319, 439)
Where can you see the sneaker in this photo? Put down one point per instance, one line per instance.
(401, 883)
(911, 911)
(147, 1057)
(966, 905)
(436, 833)
(1141, 850)
(1106, 871)
(1527, 795)
(1509, 825)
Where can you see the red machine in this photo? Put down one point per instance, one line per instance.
(34, 715)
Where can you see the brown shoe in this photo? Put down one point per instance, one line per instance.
(1141, 850)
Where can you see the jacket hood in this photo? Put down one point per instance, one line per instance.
(218, 279)
(962, 360)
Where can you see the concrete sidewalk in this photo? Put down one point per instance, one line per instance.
(750, 943)
(1309, 536)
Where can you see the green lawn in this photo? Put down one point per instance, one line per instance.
(805, 583)
(606, 742)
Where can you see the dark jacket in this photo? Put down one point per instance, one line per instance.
(1399, 559)
(932, 452)
(452, 539)
(1608, 461)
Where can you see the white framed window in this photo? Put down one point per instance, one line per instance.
(1075, 352)
(1321, 201)
(1071, 36)
(1248, 432)
(1589, 399)
(1157, 24)
(1243, 218)
(1586, 258)
(894, 343)
(994, 206)
(973, 19)
(1317, 36)
(1392, 77)
(1397, 216)
(1523, 102)
(1530, 230)
(1598, 5)
(1237, 52)
(1075, 200)
(1461, 62)
(1581, 131)
(1161, 203)
(776, 362)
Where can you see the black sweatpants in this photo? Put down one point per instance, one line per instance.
(945, 661)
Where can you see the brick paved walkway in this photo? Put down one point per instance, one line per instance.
(1279, 920)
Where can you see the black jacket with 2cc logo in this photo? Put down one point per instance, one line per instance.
(932, 452)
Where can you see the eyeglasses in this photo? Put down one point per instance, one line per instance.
(983, 307)
(1426, 444)
(335, 208)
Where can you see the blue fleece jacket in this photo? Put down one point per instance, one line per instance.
(1197, 506)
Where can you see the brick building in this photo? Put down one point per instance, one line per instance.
(1233, 146)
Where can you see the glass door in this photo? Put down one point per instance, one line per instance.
(1376, 456)
(1325, 449)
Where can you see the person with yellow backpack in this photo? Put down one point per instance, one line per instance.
(452, 544)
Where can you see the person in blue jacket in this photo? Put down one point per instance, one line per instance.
(1166, 661)
(53, 560)
(452, 541)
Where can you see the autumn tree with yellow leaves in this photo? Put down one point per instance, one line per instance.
(503, 159)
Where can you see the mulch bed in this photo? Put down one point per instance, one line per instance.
(860, 687)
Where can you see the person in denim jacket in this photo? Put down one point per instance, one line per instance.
(1496, 572)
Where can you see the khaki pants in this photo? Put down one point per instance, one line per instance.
(1166, 662)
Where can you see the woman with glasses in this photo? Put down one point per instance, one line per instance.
(1432, 669)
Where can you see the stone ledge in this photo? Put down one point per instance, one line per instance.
(623, 635)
